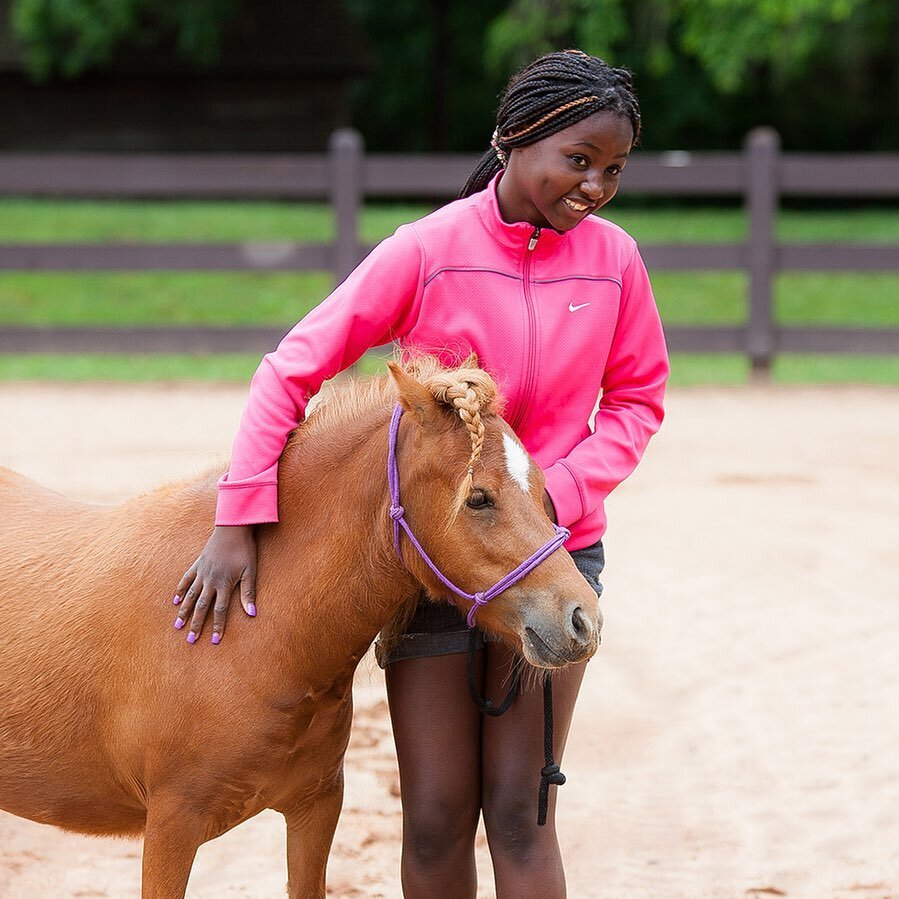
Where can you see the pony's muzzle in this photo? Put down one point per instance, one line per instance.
(562, 639)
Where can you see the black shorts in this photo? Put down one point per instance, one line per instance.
(438, 628)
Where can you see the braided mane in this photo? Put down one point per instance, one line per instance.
(470, 391)
(466, 388)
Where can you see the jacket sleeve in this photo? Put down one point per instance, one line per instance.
(630, 408)
(377, 303)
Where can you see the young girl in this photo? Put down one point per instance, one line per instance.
(557, 305)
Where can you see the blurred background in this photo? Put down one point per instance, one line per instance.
(181, 182)
(175, 166)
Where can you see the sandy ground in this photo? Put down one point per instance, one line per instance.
(737, 734)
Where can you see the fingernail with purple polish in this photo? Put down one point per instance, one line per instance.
(177, 599)
(216, 639)
(179, 623)
(251, 608)
(191, 637)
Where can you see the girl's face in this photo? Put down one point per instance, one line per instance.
(558, 181)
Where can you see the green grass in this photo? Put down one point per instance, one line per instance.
(53, 221)
(837, 298)
(85, 221)
(694, 370)
(176, 298)
(280, 299)
(135, 368)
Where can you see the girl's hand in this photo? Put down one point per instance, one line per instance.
(229, 558)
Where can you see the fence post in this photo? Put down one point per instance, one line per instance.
(762, 151)
(346, 149)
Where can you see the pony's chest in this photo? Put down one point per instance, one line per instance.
(320, 721)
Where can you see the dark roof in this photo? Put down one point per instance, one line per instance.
(264, 36)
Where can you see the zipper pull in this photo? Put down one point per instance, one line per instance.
(534, 238)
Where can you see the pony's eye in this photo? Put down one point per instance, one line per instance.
(478, 500)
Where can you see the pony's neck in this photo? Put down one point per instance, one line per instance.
(329, 567)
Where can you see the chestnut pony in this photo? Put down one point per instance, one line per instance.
(111, 723)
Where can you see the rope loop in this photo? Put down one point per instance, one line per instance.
(397, 512)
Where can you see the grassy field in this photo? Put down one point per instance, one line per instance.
(280, 299)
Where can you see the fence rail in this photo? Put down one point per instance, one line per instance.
(345, 176)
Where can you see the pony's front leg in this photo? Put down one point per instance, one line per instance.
(311, 822)
(171, 840)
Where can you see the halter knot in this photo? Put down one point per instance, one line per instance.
(397, 512)
(480, 599)
(553, 774)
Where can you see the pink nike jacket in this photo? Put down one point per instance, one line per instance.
(565, 323)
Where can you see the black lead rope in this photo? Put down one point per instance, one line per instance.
(550, 773)
(482, 702)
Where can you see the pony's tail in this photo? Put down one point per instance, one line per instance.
(488, 165)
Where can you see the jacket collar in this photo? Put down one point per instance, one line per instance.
(515, 235)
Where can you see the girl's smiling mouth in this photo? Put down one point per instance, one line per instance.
(577, 206)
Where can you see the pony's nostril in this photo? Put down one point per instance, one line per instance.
(580, 624)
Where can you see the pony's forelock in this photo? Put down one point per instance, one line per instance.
(471, 392)
(466, 389)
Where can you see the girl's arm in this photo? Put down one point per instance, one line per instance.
(377, 303)
(630, 410)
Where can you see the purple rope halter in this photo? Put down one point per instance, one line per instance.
(397, 513)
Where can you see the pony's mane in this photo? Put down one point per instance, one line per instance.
(465, 388)
(358, 397)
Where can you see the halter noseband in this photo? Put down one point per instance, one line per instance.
(397, 513)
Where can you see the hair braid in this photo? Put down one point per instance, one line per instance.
(469, 391)
(466, 403)
(552, 93)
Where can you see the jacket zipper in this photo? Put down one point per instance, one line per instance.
(524, 401)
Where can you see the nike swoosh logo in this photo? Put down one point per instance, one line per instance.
(573, 308)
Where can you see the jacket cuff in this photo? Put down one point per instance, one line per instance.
(564, 491)
(246, 503)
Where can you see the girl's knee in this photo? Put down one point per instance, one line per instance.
(510, 820)
(438, 828)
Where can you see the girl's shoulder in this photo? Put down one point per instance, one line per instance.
(447, 216)
(597, 227)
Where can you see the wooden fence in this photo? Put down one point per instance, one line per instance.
(345, 176)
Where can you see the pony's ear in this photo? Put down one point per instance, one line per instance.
(472, 361)
(415, 397)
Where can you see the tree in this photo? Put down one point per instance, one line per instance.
(728, 38)
(823, 72)
(66, 37)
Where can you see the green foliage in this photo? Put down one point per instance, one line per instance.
(430, 88)
(67, 37)
(823, 72)
(530, 28)
(727, 37)
(731, 37)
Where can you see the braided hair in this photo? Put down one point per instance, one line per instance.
(552, 93)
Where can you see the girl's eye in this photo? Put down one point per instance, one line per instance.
(614, 170)
(478, 500)
(579, 161)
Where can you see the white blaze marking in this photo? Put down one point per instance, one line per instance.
(517, 462)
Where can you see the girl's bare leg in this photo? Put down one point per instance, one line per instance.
(437, 730)
(526, 858)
